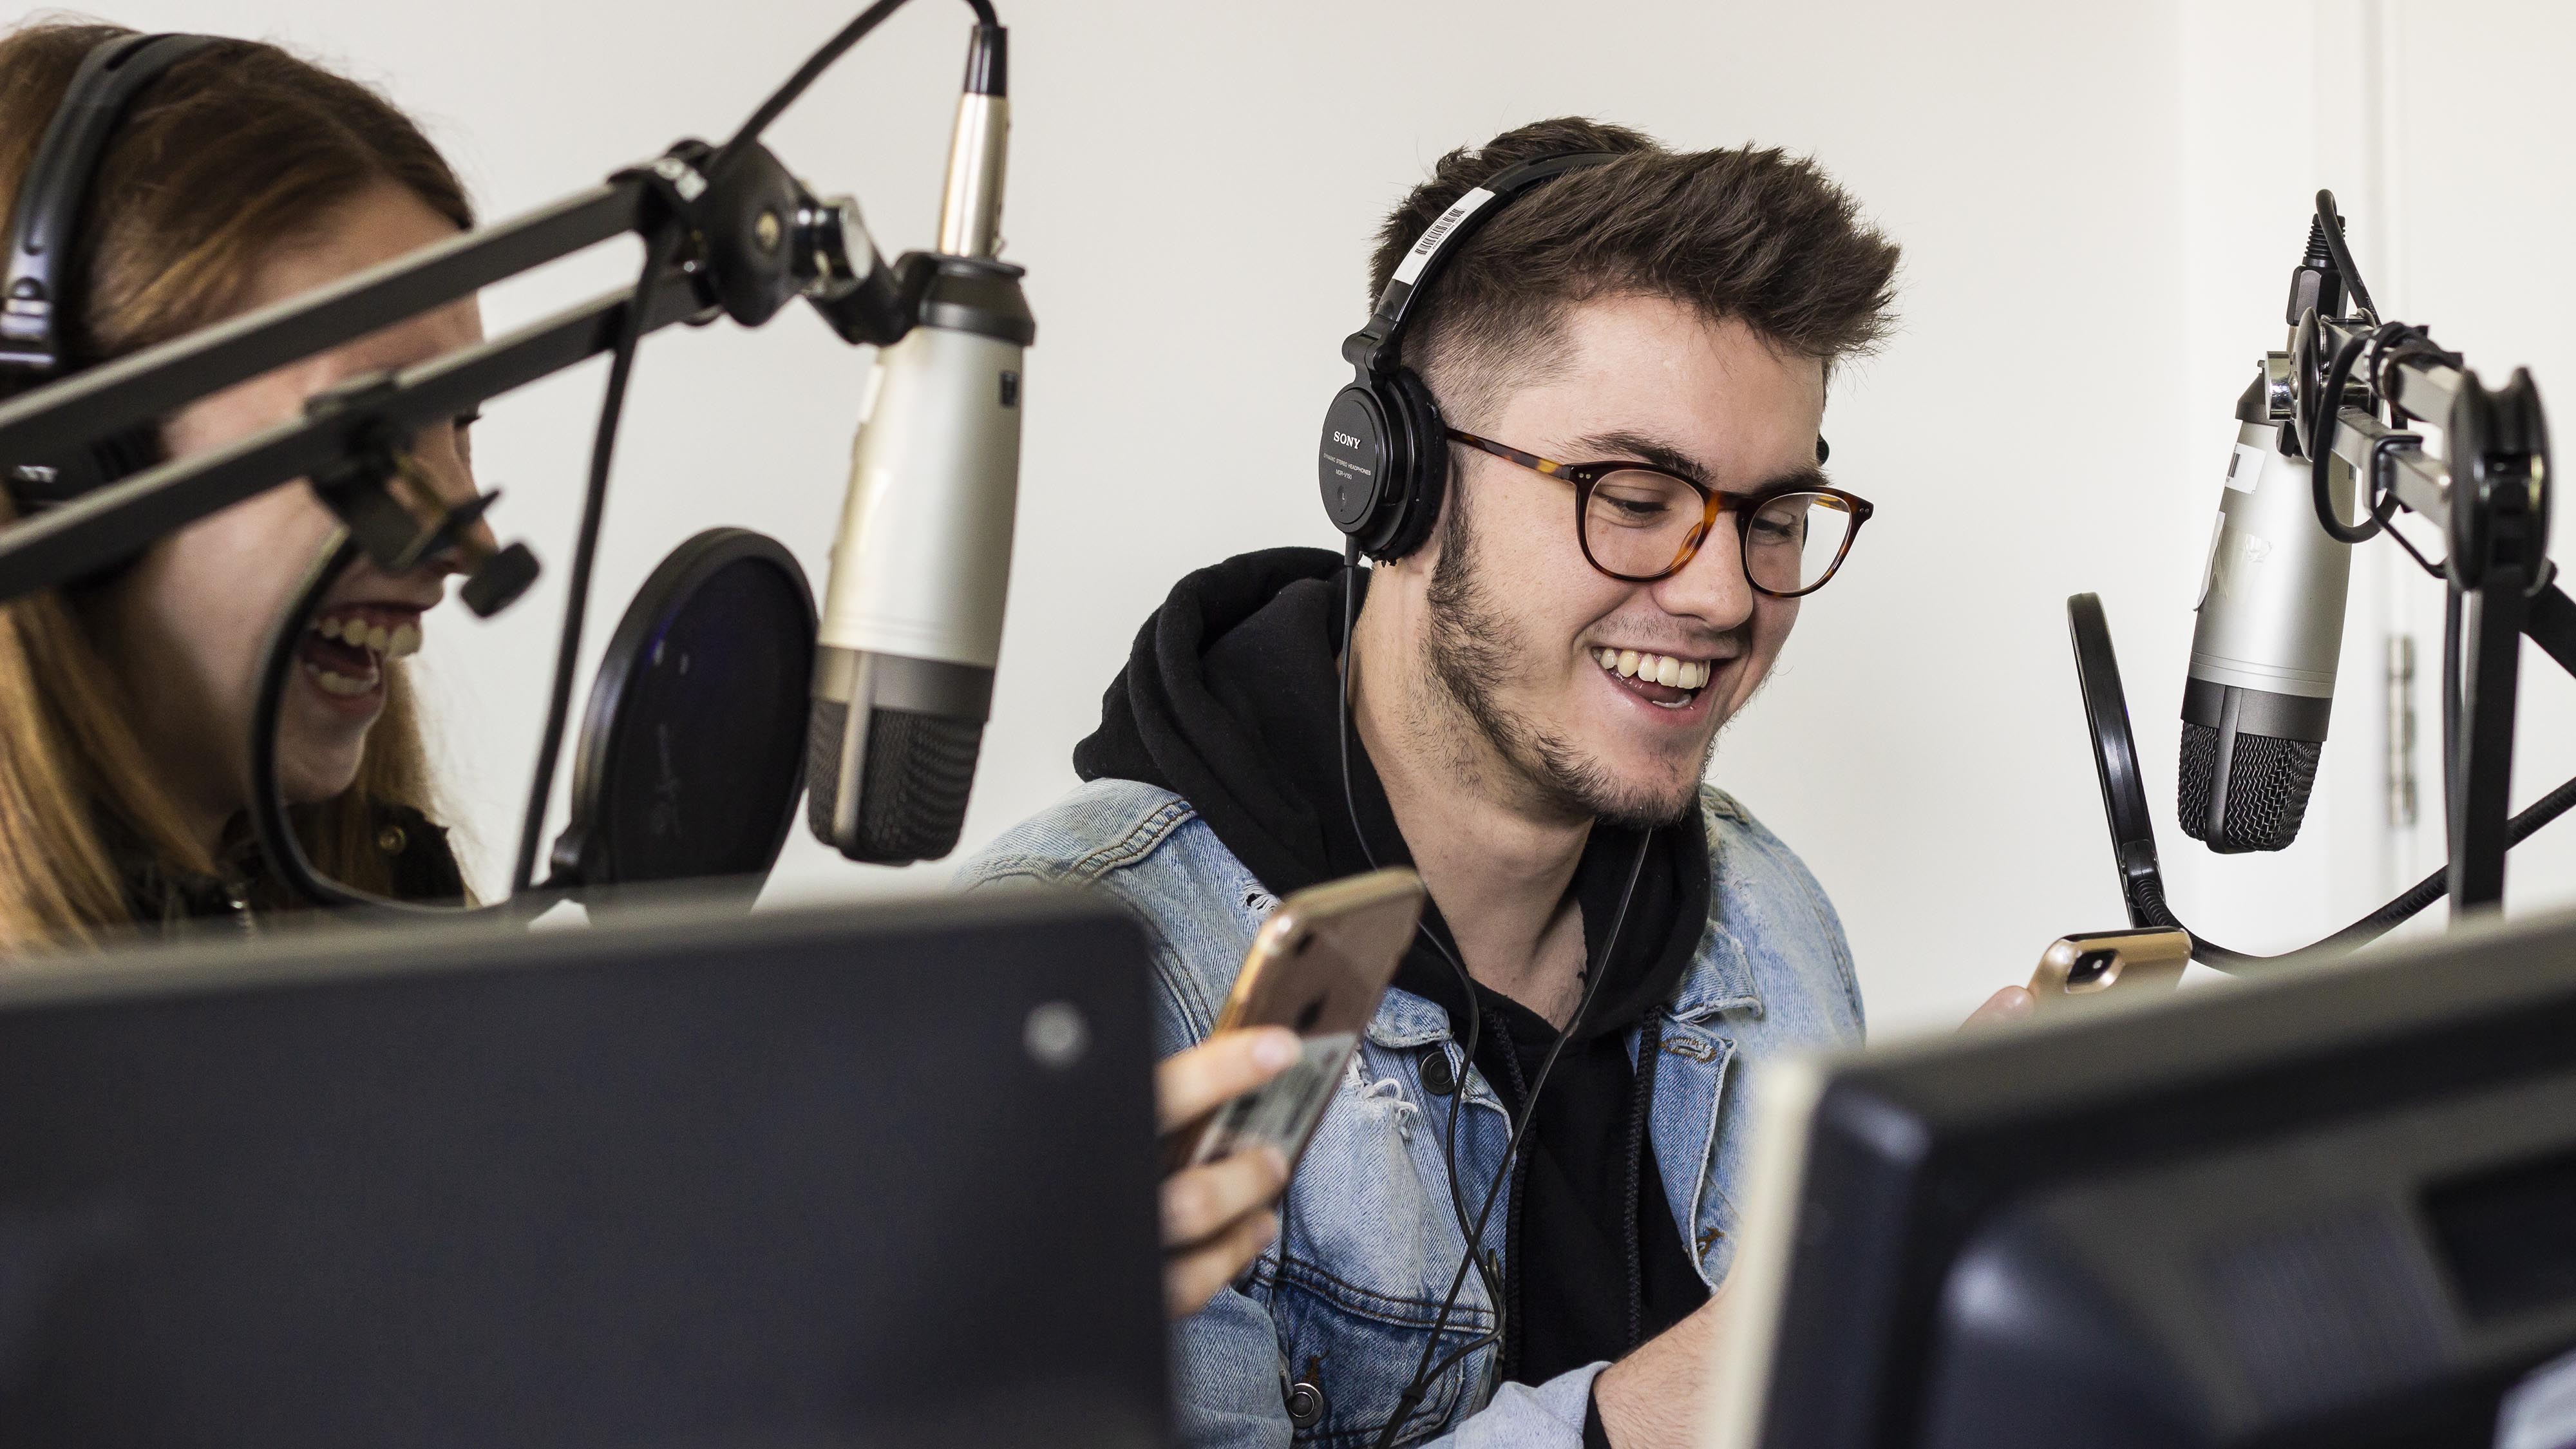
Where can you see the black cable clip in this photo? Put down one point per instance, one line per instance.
(2382, 499)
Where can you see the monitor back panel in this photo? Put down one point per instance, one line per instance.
(2336, 1206)
(811, 1179)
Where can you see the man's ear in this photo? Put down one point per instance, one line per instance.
(1418, 564)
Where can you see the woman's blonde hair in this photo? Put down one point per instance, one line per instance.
(237, 150)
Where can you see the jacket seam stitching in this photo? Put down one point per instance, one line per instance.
(1705, 1182)
(1139, 842)
(1304, 1274)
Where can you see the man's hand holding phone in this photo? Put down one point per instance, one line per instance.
(1235, 1115)
(1218, 1216)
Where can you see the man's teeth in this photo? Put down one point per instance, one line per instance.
(399, 642)
(1654, 668)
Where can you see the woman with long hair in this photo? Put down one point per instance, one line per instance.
(239, 177)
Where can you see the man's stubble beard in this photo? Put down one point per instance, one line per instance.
(1470, 652)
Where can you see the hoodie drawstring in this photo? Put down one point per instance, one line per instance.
(1650, 1041)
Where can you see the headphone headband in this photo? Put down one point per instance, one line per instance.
(58, 181)
(1374, 348)
(42, 278)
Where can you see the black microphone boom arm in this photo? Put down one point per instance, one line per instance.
(158, 381)
(753, 240)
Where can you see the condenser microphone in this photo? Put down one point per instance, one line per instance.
(2262, 677)
(912, 618)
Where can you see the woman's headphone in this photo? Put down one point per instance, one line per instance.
(44, 281)
(1384, 460)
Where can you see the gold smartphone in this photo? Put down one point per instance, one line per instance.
(2083, 970)
(1318, 967)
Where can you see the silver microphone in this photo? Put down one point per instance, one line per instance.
(2262, 676)
(912, 617)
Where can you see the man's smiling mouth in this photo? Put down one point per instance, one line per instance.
(1663, 680)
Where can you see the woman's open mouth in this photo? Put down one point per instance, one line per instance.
(1659, 679)
(344, 649)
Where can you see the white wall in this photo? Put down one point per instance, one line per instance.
(1193, 188)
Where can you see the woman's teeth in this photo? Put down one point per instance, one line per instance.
(399, 642)
(361, 647)
(333, 682)
(1654, 668)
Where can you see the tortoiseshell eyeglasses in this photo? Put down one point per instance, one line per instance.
(1639, 523)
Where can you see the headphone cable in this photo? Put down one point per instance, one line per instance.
(1426, 1370)
(1414, 1391)
(1466, 983)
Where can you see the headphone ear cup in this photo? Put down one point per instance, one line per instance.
(1358, 461)
(1415, 506)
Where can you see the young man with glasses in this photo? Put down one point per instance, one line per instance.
(1630, 361)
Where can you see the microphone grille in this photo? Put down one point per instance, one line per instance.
(2268, 783)
(912, 802)
(912, 787)
(827, 721)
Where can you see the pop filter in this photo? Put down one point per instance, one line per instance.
(2115, 762)
(692, 751)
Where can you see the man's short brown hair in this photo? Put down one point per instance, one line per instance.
(1758, 236)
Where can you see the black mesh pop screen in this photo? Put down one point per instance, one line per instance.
(693, 751)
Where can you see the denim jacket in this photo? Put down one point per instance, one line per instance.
(1344, 1301)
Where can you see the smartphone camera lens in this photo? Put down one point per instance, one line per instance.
(2091, 969)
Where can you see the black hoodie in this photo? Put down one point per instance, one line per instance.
(1230, 699)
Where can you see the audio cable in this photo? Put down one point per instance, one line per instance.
(1426, 1370)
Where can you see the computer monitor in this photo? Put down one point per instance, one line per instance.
(2334, 1207)
(844, 1177)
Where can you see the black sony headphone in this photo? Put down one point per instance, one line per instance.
(44, 285)
(1384, 459)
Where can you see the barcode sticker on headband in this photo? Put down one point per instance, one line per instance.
(1432, 235)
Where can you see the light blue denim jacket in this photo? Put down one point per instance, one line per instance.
(1372, 1238)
